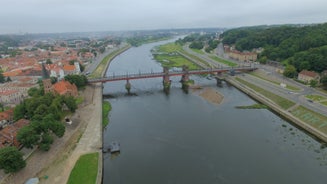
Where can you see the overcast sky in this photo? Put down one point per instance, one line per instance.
(44, 16)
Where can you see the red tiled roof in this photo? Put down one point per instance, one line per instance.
(309, 73)
(64, 87)
(9, 133)
(69, 67)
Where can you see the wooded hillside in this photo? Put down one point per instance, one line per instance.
(305, 47)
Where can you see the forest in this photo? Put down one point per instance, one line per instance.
(303, 46)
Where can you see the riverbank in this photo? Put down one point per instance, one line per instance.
(286, 113)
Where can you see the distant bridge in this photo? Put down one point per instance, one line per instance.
(166, 74)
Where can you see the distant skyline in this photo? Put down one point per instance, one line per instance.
(56, 16)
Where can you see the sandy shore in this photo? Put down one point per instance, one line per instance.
(211, 95)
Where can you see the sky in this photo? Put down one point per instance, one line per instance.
(56, 16)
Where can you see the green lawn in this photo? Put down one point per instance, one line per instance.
(223, 61)
(315, 119)
(280, 101)
(198, 51)
(170, 61)
(168, 56)
(324, 103)
(315, 97)
(85, 170)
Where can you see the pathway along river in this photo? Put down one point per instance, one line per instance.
(184, 139)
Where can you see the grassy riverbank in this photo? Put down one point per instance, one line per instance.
(280, 101)
(85, 170)
(314, 119)
(106, 108)
(98, 72)
(169, 57)
(254, 106)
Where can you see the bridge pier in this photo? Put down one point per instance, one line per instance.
(128, 86)
(166, 81)
(186, 82)
(219, 78)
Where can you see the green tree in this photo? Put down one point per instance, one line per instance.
(313, 83)
(48, 61)
(290, 71)
(11, 160)
(46, 142)
(19, 111)
(2, 108)
(71, 62)
(70, 102)
(2, 78)
(28, 137)
(323, 81)
(8, 79)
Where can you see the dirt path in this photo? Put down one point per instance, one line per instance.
(83, 136)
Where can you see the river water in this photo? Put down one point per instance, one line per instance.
(183, 139)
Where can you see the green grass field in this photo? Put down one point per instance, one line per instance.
(317, 120)
(316, 98)
(169, 57)
(85, 170)
(280, 101)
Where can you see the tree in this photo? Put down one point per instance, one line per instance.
(323, 81)
(70, 102)
(2, 78)
(19, 111)
(2, 108)
(48, 61)
(290, 71)
(28, 137)
(11, 160)
(9, 79)
(71, 62)
(313, 83)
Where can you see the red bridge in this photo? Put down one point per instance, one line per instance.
(166, 74)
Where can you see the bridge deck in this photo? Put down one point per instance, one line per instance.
(174, 73)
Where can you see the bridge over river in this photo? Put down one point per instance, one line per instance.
(166, 74)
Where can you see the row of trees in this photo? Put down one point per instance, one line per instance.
(300, 46)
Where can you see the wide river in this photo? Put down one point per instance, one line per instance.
(183, 139)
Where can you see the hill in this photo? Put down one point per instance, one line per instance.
(298, 45)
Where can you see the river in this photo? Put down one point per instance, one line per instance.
(183, 139)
